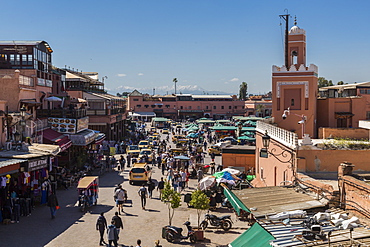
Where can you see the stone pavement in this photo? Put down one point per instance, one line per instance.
(74, 228)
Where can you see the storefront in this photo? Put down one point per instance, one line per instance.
(81, 144)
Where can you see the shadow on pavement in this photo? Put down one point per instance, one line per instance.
(39, 229)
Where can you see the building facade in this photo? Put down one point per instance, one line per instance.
(185, 106)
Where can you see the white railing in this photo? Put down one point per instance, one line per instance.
(285, 137)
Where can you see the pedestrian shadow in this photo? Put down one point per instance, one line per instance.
(99, 209)
(152, 210)
(134, 215)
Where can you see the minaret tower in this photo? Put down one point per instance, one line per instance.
(294, 86)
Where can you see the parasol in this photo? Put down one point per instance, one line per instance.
(206, 183)
(231, 171)
(53, 99)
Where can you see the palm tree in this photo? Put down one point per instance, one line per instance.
(243, 91)
(260, 109)
(175, 81)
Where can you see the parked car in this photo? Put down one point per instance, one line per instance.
(231, 139)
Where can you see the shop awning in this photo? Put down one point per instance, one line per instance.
(9, 166)
(100, 138)
(142, 114)
(52, 137)
(83, 138)
(237, 204)
(255, 236)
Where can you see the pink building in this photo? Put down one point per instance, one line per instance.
(184, 106)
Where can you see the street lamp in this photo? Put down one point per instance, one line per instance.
(285, 156)
(23, 121)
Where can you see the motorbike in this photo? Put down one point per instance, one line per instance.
(174, 233)
(224, 221)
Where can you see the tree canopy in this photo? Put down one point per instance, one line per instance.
(243, 89)
(322, 82)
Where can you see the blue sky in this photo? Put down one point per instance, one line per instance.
(213, 44)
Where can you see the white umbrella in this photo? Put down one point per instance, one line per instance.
(232, 171)
(206, 183)
(53, 99)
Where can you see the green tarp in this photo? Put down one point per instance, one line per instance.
(159, 119)
(235, 201)
(255, 236)
(224, 128)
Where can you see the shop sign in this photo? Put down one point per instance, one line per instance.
(82, 124)
(63, 125)
(34, 165)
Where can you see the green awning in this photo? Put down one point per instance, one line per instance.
(237, 204)
(223, 127)
(255, 236)
(252, 129)
(159, 119)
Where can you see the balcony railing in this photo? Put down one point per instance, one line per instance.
(104, 112)
(61, 113)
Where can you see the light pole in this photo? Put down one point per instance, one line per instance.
(175, 81)
(23, 121)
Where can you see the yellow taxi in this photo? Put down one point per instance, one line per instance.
(214, 149)
(164, 131)
(175, 138)
(139, 172)
(144, 144)
(148, 153)
(132, 147)
(134, 153)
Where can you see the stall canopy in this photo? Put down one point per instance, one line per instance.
(52, 137)
(9, 166)
(255, 236)
(83, 138)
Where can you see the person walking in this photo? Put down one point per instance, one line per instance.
(213, 157)
(53, 204)
(151, 187)
(143, 193)
(117, 223)
(138, 242)
(200, 173)
(128, 157)
(120, 197)
(122, 163)
(160, 187)
(112, 235)
(101, 225)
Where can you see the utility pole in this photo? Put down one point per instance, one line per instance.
(286, 19)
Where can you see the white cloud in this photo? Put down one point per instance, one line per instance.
(140, 74)
(121, 75)
(234, 79)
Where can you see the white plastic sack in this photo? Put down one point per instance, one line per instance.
(321, 216)
(288, 214)
(351, 223)
(338, 216)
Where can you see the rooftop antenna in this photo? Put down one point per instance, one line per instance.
(286, 19)
(153, 91)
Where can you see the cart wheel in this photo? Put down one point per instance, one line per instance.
(193, 239)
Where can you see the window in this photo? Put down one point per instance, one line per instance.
(229, 107)
(167, 106)
(181, 107)
(189, 107)
(153, 106)
(292, 102)
(222, 107)
(24, 59)
(207, 107)
(368, 115)
(136, 99)
(146, 106)
(235, 107)
(138, 106)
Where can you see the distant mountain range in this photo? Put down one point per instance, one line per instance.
(164, 90)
